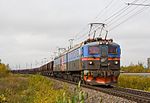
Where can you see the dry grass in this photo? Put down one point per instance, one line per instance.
(135, 82)
(35, 89)
(135, 69)
(28, 89)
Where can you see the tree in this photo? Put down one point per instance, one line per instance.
(3, 70)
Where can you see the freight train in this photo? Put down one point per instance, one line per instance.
(94, 61)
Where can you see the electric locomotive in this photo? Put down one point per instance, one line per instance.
(94, 61)
(101, 61)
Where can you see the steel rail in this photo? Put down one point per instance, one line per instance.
(130, 94)
(135, 91)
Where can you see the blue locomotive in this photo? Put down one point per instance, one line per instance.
(95, 61)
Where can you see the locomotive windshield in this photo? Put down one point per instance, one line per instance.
(94, 50)
(112, 49)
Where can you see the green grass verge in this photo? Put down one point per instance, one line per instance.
(135, 82)
(37, 89)
(28, 89)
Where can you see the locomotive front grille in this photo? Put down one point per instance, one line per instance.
(104, 61)
(104, 56)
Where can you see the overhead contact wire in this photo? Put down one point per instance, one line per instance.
(138, 12)
(116, 13)
(120, 11)
(124, 15)
(107, 6)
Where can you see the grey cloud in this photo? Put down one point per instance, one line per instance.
(32, 29)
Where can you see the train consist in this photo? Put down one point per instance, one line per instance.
(94, 61)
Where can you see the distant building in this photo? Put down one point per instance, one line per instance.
(148, 62)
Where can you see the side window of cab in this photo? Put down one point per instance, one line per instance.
(82, 52)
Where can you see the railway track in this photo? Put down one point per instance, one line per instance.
(134, 95)
(130, 94)
(133, 91)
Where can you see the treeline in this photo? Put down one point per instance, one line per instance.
(138, 68)
(4, 70)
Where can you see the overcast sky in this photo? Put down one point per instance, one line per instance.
(31, 30)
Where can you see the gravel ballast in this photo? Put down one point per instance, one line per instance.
(93, 96)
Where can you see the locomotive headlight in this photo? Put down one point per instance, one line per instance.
(90, 63)
(116, 62)
(101, 43)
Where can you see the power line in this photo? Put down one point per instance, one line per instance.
(138, 4)
(138, 12)
(83, 29)
(82, 36)
(108, 5)
(121, 11)
(114, 21)
(122, 1)
(115, 15)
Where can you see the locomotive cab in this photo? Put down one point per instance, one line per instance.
(101, 62)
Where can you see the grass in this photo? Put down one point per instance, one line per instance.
(17, 88)
(138, 68)
(135, 82)
(28, 89)
(78, 96)
(39, 89)
(36, 89)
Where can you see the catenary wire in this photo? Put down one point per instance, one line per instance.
(120, 11)
(117, 19)
(100, 13)
(117, 12)
(138, 12)
(107, 6)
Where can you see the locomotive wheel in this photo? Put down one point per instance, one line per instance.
(65, 76)
(70, 78)
(75, 79)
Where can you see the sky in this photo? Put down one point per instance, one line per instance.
(32, 30)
